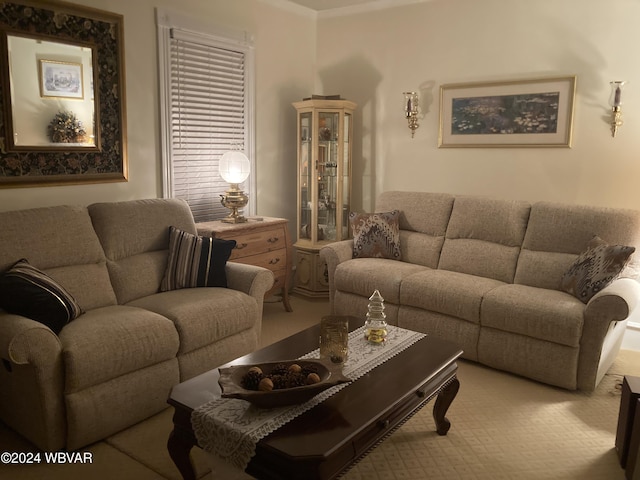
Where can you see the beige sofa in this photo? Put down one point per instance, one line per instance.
(486, 274)
(115, 364)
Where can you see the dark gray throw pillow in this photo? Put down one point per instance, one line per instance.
(27, 291)
(195, 261)
(595, 268)
(376, 235)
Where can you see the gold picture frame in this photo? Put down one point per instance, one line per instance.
(520, 113)
(61, 79)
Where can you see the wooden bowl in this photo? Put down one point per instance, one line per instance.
(231, 383)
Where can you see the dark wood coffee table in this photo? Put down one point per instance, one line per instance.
(329, 438)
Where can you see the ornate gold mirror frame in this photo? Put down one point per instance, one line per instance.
(62, 95)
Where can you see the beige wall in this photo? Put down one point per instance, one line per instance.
(372, 58)
(285, 66)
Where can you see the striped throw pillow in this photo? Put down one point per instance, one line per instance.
(27, 291)
(195, 261)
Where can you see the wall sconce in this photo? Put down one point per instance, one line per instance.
(615, 100)
(234, 167)
(411, 110)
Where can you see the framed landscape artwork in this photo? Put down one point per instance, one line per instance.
(522, 113)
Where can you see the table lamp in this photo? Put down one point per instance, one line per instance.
(234, 168)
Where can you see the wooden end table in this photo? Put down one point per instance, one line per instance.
(329, 438)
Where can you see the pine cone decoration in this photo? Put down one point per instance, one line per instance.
(279, 381)
(309, 368)
(295, 379)
(280, 369)
(251, 379)
(282, 376)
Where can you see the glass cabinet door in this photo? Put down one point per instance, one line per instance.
(306, 175)
(346, 176)
(328, 124)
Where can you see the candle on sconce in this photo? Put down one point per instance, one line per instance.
(615, 100)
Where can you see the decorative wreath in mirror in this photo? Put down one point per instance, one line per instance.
(66, 128)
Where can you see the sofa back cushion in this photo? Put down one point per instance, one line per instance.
(62, 243)
(484, 237)
(557, 233)
(423, 223)
(135, 238)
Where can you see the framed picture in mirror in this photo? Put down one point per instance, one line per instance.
(61, 79)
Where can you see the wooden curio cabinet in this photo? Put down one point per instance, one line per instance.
(325, 130)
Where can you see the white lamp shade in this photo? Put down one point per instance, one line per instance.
(234, 167)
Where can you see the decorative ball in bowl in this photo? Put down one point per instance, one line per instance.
(276, 384)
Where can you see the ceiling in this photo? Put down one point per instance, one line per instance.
(320, 5)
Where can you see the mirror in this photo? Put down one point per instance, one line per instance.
(51, 90)
(63, 117)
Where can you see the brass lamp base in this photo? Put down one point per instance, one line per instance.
(234, 199)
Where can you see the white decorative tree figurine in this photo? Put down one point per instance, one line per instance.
(375, 327)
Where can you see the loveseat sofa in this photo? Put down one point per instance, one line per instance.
(498, 278)
(114, 364)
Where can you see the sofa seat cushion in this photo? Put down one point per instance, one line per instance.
(451, 293)
(534, 312)
(363, 276)
(203, 315)
(107, 342)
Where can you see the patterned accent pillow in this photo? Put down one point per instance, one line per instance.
(27, 291)
(595, 268)
(376, 235)
(195, 261)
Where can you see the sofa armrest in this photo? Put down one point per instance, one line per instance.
(605, 318)
(334, 254)
(32, 381)
(252, 280)
(24, 341)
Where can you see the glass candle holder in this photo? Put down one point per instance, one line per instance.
(334, 338)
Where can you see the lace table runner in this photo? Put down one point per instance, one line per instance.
(230, 428)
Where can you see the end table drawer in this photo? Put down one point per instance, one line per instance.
(254, 243)
(275, 260)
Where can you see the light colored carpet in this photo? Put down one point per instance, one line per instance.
(503, 427)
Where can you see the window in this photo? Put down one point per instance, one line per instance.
(206, 105)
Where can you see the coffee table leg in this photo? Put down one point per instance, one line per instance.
(179, 446)
(443, 402)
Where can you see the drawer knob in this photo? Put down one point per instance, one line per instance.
(273, 240)
(273, 261)
(240, 246)
(383, 424)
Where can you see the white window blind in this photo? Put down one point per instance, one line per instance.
(206, 115)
